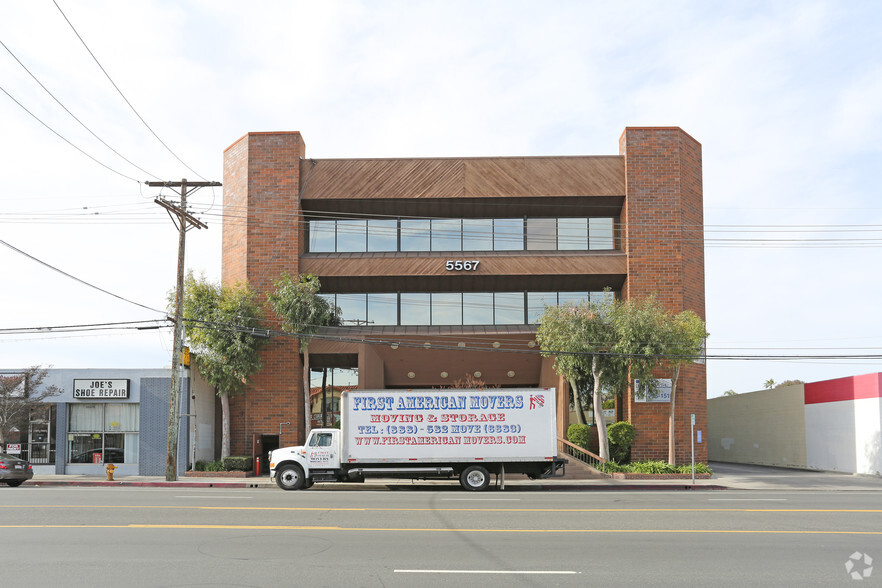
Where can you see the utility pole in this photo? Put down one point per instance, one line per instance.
(184, 221)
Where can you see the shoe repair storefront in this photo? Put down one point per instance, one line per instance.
(117, 416)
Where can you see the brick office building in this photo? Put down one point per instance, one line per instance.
(441, 266)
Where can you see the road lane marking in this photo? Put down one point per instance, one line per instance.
(569, 572)
(182, 527)
(390, 509)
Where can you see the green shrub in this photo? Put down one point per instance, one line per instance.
(209, 466)
(655, 467)
(237, 463)
(579, 435)
(621, 435)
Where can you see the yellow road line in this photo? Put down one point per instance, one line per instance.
(501, 510)
(417, 530)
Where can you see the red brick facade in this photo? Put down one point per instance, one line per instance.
(663, 218)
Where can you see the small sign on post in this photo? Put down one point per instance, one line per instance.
(692, 436)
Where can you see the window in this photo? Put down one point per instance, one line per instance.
(351, 236)
(508, 308)
(572, 234)
(447, 234)
(600, 233)
(541, 233)
(508, 234)
(103, 433)
(353, 307)
(477, 234)
(415, 309)
(447, 308)
(322, 236)
(415, 234)
(382, 235)
(477, 308)
(382, 309)
(536, 303)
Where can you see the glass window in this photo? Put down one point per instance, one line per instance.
(600, 233)
(602, 297)
(415, 309)
(536, 303)
(541, 233)
(353, 307)
(572, 234)
(382, 309)
(447, 308)
(447, 234)
(322, 235)
(477, 308)
(508, 308)
(508, 234)
(351, 236)
(477, 234)
(382, 235)
(97, 433)
(573, 297)
(415, 234)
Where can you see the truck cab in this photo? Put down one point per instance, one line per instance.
(318, 460)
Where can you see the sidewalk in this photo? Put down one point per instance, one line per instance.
(726, 476)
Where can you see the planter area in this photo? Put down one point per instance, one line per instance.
(194, 474)
(635, 476)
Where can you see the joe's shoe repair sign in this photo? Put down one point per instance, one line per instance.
(101, 388)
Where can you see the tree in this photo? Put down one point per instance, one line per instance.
(21, 393)
(769, 384)
(298, 304)
(686, 333)
(788, 383)
(730, 393)
(582, 339)
(222, 323)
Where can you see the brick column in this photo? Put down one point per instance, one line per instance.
(663, 237)
(262, 235)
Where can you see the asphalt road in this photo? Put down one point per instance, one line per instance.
(262, 537)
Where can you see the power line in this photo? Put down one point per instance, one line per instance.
(103, 142)
(60, 136)
(72, 277)
(121, 93)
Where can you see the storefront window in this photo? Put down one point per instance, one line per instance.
(104, 433)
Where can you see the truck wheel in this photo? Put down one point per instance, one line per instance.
(14, 483)
(308, 483)
(475, 478)
(290, 477)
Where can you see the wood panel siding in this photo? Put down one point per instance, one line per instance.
(496, 177)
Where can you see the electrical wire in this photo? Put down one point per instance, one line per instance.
(82, 124)
(101, 67)
(72, 277)
(60, 136)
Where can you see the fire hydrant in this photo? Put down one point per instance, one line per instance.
(109, 469)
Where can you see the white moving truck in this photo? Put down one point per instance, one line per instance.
(422, 434)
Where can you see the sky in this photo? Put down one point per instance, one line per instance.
(785, 98)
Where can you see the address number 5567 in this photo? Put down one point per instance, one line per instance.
(461, 265)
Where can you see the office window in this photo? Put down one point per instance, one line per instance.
(508, 308)
(541, 234)
(382, 235)
(351, 236)
(508, 234)
(477, 308)
(382, 309)
(572, 234)
(447, 308)
(446, 234)
(353, 308)
(600, 233)
(477, 234)
(415, 309)
(322, 236)
(415, 234)
(536, 303)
